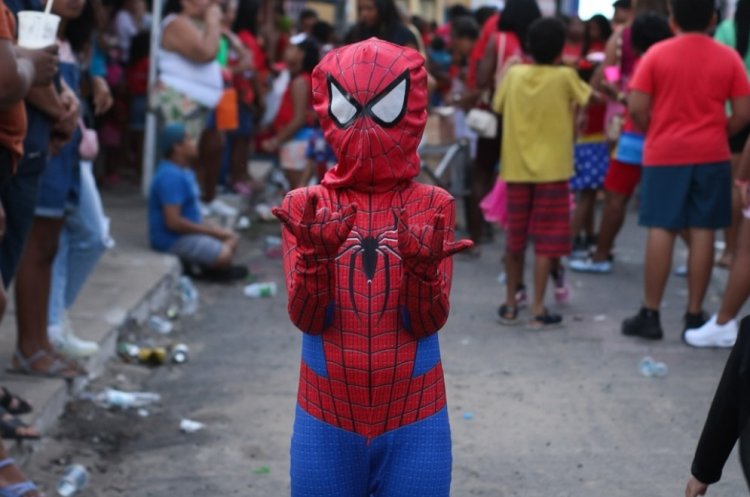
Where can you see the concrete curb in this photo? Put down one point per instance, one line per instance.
(49, 396)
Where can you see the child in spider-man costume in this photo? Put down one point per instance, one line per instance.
(367, 257)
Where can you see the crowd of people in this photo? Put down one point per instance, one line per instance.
(559, 113)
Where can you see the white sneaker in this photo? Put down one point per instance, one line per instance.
(66, 342)
(222, 209)
(712, 334)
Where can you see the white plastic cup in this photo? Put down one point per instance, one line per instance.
(37, 29)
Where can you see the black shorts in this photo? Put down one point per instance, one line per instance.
(737, 142)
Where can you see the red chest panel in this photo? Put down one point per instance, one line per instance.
(369, 385)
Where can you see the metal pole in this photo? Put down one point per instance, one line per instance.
(149, 137)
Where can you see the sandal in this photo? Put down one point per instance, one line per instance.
(56, 369)
(545, 321)
(508, 315)
(16, 489)
(9, 426)
(8, 401)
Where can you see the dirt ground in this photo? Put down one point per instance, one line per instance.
(562, 413)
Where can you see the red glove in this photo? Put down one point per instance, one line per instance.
(423, 250)
(319, 235)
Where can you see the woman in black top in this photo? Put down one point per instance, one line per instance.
(727, 420)
(380, 19)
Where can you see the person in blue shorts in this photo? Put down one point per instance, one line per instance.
(686, 184)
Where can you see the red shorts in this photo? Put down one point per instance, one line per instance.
(540, 211)
(622, 178)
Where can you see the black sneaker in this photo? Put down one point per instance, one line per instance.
(694, 321)
(216, 275)
(646, 324)
(227, 274)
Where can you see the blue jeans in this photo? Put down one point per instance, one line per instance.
(82, 242)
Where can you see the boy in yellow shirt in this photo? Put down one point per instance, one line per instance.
(537, 102)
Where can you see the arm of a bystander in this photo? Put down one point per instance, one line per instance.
(174, 220)
(740, 115)
(16, 77)
(182, 36)
(639, 107)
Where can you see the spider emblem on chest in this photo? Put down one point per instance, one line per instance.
(363, 255)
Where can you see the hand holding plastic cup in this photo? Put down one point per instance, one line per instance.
(37, 29)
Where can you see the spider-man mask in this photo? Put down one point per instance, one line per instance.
(371, 98)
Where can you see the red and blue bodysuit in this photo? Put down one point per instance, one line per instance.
(367, 257)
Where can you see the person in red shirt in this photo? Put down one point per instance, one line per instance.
(293, 126)
(678, 97)
(477, 54)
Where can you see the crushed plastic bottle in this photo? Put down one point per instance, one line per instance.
(189, 296)
(160, 325)
(74, 479)
(652, 369)
(125, 400)
(261, 290)
(190, 426)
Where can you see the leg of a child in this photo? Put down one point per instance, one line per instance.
(228, 249)
(542, 266)
(240, 156)
(738, 286)
(700, 265)
(731, 233)
(584, 213)
(483, 176)
(294, 178)
(588, 222)
(554, 265)
(514, 276)
(658, 265)
(307, 174)
(210, 149)
(613, 217)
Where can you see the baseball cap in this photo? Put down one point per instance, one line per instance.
(172, 134)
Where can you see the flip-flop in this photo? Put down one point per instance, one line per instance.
(16, 489)
(508, 315)
(9, 427)
(545, 321)
(7, 399)
(54, 370)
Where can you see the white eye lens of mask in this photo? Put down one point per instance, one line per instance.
(391, 105)
(342, 110)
